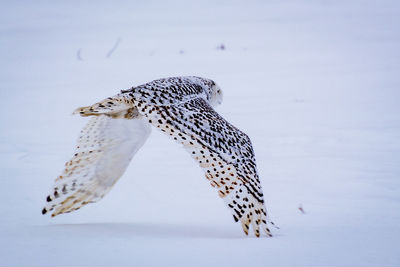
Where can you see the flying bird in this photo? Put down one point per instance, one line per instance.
(181, 107)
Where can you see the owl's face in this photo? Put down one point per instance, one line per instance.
(216, 95)
(212, 90)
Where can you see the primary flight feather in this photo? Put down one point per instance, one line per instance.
(181, 107)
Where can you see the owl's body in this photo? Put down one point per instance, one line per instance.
(181, 107)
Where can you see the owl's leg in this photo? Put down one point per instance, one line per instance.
(116, 107)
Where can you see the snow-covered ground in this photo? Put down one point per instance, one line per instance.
(315, 84)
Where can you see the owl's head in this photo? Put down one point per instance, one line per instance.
(212, 90)
(216, 95)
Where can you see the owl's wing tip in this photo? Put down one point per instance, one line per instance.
(76, 111)
(84, 111)
(44, 211)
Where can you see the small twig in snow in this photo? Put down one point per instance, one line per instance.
(221, 47)
(78, 55)
(113, 48)
(301, 209)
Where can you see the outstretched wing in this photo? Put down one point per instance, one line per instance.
(105, 147)
(224, 153)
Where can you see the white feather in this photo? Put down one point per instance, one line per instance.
(105, 148)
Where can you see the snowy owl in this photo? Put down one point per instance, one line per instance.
(181, 107)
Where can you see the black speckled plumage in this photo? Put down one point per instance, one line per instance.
(183, 108)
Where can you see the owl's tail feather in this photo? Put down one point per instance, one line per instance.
(117, 107)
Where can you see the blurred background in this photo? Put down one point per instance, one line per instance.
(315, 84)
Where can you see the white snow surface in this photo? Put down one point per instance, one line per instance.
(315, 84)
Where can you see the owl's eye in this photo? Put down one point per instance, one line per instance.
(218, 91)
